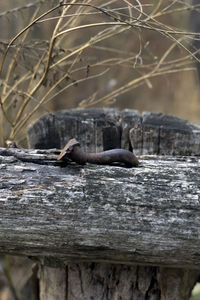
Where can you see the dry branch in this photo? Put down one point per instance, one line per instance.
(63, 63)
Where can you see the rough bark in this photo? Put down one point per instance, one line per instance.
(102, 281)
(146, 215)
(122, 282)
(101, 129)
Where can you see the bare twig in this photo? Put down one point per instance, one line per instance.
(65, 60)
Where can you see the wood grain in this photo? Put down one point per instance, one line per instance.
(147, 215)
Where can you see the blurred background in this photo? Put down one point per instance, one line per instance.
(135, 54)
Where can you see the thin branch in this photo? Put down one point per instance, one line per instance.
(120, 22)
(35, 88)
(131, 83)
(28, 116)
(14, 57)
(20, 8)
(90, 25)
(21, 32)
(90, 43)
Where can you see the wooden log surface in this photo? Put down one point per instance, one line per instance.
(147, 215)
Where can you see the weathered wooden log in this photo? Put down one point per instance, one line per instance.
(147, 215)
(108, 215)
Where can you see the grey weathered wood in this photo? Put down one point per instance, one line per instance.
(93, 128)
(98, 129)
(112, 282)
(53, 283)
(165, 135)
(105, 281)
(147, 215)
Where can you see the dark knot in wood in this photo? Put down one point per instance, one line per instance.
(73, 151)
